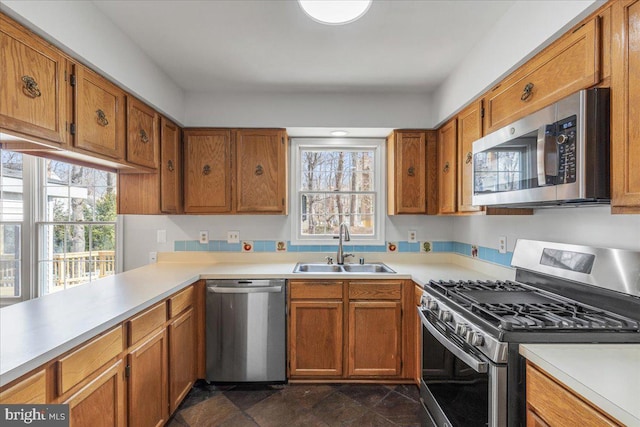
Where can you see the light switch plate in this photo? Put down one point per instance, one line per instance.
(233, 237)
(162, 236)
(502, 244)
(204, 237)
(413, 236)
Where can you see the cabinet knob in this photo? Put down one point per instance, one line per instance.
(170, 165)
(30, 87)
(206, 170)
(101, 118)
(143, 136)
(446, 167)
(259, 170)
(527, 92)
(469, 158)
(411, 171)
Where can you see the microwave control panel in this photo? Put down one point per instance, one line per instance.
(566, 143)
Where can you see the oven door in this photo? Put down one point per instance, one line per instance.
(459, 386)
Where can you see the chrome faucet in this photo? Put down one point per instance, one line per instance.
(343, 230)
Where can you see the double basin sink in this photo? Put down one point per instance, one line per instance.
(374, 267)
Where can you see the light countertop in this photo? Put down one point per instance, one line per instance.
(607, 375)
(36, 331)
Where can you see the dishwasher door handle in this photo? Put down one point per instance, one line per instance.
(254, 290)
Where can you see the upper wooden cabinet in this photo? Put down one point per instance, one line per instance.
(568, 65)
(142, 134)
(170, 167)
(207, 170)
(261, 165)
(410, 179)
(100, 115)
(469, 130)
(625, 108)
(447, 166)
(33, 100)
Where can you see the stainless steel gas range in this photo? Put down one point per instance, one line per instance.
(472, 374)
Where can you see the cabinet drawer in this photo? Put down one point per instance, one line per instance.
(76, 366)
(316, 290)
(180, 302)
(557, 405)
(565, 67)
(375, 290)
(141, 325)
(30, 390)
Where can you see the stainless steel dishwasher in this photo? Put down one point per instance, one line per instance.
(246, 331)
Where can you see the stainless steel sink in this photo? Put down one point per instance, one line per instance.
(376, 267)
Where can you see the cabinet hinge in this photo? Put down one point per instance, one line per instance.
(482, 112)
(127, 371)
(283, 201)
(65, 75)
(72, 79)
(283, 140)
(72, 128)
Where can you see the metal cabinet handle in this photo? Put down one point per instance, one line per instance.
(527, 92)
(469, 158)
(30, 87)
(206, 170)
(170, 165)
(411, 171)
(143, 136)
(446, 167)
(101, 118)
(259, 170)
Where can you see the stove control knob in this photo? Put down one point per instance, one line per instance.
(432, 305)
(445, 316)
(474, 338)
(461, 329)
(424, 300)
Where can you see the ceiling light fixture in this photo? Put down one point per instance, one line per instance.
(339, 133)
(335, 12)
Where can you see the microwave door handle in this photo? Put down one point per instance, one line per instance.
(477, 365)
(546, 156)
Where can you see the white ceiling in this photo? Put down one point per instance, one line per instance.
(399, 46)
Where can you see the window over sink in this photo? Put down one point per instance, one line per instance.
(337, 181)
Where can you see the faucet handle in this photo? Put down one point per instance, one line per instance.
(329, 259)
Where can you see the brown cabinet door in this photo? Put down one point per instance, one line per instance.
(447, 161)
(33, 100)
(170, 167)
(375, 331)
(469, 130)
(261, 162)
(568, 65)
(182, 357)
(315, 338)
(625, 126)
(100, 115)
(207, 177)
(148, 382)
(142, 134)
(101, 402)
(406, 172)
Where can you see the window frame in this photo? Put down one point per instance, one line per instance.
(377, 145)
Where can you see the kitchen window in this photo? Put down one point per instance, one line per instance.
(337, 181)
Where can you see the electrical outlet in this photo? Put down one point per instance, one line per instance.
(502, 244)
(233, 237)
(162, 236)
(204, 237)
(413, 236)
(153, 257)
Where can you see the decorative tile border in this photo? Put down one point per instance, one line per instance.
(466, 249)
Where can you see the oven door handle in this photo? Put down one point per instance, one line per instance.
(476, 364)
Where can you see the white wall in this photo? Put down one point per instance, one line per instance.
(593, 226)
(365, 110)
(524, 30)
(81, 30)
(141, 230)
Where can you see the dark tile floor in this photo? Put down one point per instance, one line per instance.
(299, 405)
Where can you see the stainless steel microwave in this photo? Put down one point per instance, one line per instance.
(556, 156)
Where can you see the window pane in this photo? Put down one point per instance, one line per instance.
(322, 213)
(10, 260)
(11, 187)
(337, 170)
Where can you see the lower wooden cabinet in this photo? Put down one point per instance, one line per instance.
(101, 402)
(182, 357)
(148, 382)
(32, 389)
